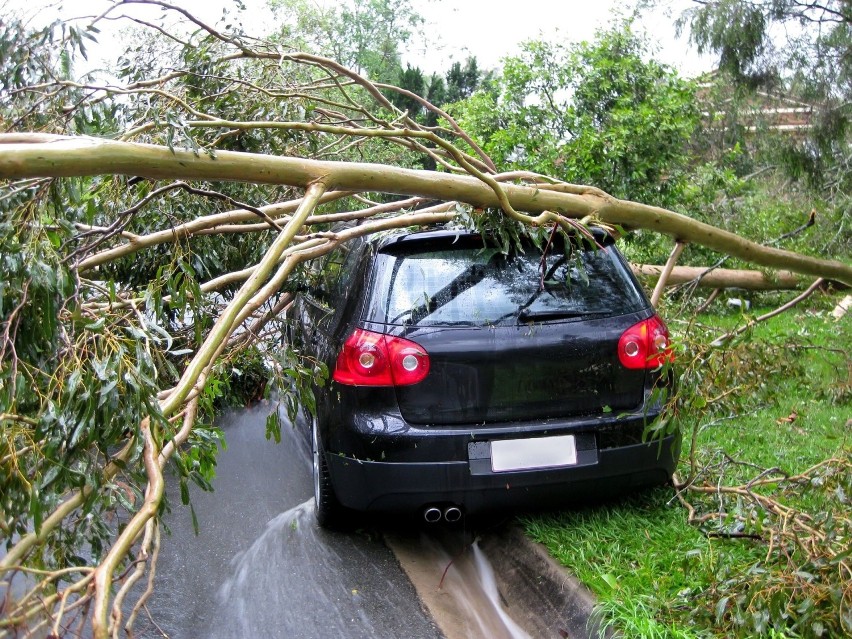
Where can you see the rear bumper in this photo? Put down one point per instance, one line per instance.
(408, 486)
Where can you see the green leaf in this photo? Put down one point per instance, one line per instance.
(36, 511)
(721, 608)
(96, 326)
(195, 527)
(273, 426)
(610, 580)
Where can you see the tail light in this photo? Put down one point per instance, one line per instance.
(645, 345)
(374, 359)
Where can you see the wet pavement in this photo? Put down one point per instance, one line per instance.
(261, 567)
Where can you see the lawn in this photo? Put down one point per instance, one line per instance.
(768, 459)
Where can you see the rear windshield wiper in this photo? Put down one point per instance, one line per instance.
(453, 323)
(556, 313)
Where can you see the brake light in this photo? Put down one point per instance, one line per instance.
(374, 359)
(645, 345)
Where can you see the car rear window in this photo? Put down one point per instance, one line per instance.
(467, 285)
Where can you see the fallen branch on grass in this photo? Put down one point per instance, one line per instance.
(814, 549)
(784, 307)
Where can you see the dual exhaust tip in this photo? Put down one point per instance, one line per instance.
(450, 514)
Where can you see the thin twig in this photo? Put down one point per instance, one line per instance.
(784, 307)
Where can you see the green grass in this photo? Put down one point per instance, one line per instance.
(638, 556)
(655, 574)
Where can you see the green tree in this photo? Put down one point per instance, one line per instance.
(363, 35)
(411, 80)
(799, 50)
(815, 40)
(599, 112)
(434, 91)
(463, 81)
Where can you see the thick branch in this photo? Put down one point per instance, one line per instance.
(225, 324)
(667, 271)
(104, 571)
(723, 277)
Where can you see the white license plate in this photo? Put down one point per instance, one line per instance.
(527, 454)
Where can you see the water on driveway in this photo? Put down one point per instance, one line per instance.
(292, 579)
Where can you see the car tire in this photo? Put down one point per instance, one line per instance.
(328, 511)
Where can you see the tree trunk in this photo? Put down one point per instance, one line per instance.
(63, 156)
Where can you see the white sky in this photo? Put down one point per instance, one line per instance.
(488, 29)
(492, 29)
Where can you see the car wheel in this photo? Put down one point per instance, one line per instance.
(328, 511)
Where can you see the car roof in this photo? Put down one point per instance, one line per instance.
(401, 237)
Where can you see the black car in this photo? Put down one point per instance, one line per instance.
(467, 379)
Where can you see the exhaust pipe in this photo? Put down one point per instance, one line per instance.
(452, 514)
(432, 515)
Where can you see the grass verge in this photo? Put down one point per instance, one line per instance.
(766, 551)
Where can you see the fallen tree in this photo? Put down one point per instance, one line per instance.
(116, 252)
(542, 204)
(706, 277)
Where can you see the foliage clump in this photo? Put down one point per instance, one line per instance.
(601, 112)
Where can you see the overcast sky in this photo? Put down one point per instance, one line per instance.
(492, 29)
(488, 29)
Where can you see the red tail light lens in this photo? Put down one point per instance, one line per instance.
(374, 359)
(645, 345)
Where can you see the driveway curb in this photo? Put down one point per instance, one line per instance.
(539, 593)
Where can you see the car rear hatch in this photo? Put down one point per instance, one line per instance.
(512, 337)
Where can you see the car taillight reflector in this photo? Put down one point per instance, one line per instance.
(374, 359)
(645, 345)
